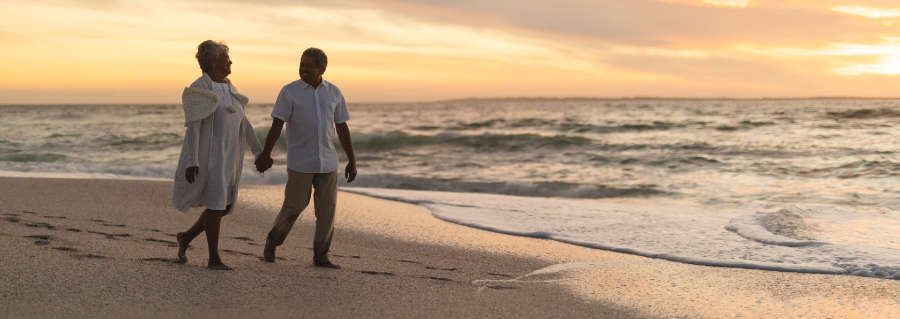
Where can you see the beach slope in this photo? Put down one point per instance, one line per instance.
(104, 248)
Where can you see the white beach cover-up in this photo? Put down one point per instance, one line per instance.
(214, 112)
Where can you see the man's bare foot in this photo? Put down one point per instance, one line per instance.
(324, 263)
(182, 247)
(269, 252)
(218, 266)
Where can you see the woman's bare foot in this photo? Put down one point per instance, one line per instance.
(182, 247)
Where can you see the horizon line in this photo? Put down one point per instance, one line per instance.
(598, 98)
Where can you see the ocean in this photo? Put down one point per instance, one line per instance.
(791, 185)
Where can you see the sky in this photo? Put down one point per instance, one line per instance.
(107, 51)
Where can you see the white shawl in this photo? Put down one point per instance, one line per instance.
(200, 102)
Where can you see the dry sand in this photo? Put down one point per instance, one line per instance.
(74, 248)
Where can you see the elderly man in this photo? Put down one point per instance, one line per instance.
(314, 110)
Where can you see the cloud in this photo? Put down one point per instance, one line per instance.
(651, 23)
(868, 12)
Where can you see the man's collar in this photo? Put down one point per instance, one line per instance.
(306, 85)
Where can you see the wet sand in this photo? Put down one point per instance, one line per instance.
(104, 248)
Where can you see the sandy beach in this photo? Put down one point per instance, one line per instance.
(76, 248)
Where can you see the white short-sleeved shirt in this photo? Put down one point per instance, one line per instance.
(310, 114)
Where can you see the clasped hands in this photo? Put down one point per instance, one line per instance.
(263, 162)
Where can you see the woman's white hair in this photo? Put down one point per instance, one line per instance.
(206, 51)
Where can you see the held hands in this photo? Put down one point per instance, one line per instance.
(263, 162)
(190, 174)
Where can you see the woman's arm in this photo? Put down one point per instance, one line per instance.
(192, 138)
(250, 137)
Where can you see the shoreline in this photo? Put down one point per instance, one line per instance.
(526, 98)
(399, 261)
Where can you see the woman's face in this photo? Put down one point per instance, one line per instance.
(221, 64)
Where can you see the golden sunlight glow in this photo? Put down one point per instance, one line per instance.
(885, 56)
(130, 51)
(729, 3)
(868, 12)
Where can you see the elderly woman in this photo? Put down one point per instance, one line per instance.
(209, 168)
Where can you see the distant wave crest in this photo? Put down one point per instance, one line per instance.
(508, 142)
(541, 189)
(865, 114)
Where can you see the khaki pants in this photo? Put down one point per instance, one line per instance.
(296, 198)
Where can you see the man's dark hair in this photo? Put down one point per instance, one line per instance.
(204, 51)
(319, 55)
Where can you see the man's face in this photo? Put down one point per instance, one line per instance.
(221, 63)
(310, 71)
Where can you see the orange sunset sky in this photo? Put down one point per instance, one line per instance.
(107, 51)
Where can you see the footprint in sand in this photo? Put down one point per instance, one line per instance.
(65, 248)
(29, 212)
(113, 225)
(372, 272)
(427, 267)
(97, 220)
(243, 238)
(436, 278)
(501, 287)
(12, 219)
(162, 241)
(54, 217)
(40, 225)
(42, 240)
(74, 230)
(500, 275)
(90, 256)
(165, 260)
(11, 214)
(436, 268)
(108, 235)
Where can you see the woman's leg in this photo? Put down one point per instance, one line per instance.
(185, 238)
(211, 226)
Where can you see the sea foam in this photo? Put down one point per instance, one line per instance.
(780, 240)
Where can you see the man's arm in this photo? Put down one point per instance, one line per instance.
(264, 160)
(343, 132)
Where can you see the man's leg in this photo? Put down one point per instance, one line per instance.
(325, 203)
(296, 198)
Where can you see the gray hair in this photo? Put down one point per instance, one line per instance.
(205, 51)
(319, 55)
